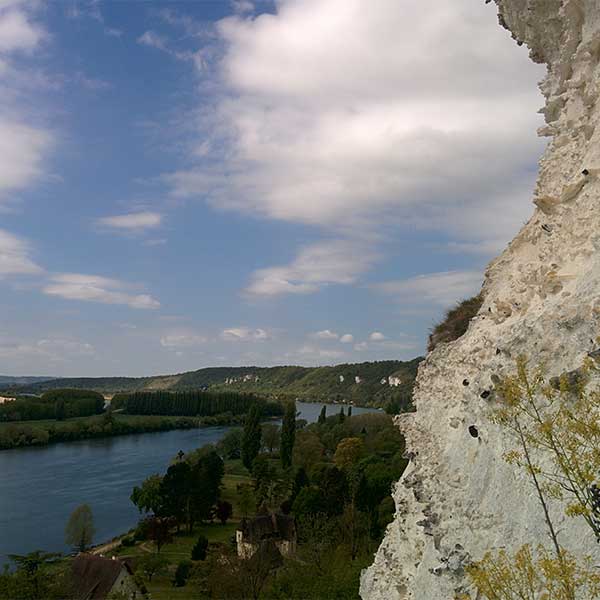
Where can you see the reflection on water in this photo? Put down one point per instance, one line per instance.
(40, 487)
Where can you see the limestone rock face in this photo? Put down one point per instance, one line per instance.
(458, 498)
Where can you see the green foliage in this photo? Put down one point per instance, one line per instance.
(224, 511)
(200, 404)
(271, 437)
(251, 440)
(288, 434)
(200, 548)
(322, 415)
(79, 532)
(152, 564)
(455, 322)
(230, 445)
(182, 573)
(58, 404)
(147, 497)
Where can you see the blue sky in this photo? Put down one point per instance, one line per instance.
(190, 184)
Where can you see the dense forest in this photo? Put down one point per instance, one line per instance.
(55, 404)
(201, 404)
(326, 384)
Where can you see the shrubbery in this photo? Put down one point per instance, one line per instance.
(455, 323)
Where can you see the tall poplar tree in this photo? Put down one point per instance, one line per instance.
(323, 415)
(252, 438)
(288, 434)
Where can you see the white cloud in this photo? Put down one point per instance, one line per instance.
(347, 338)
(92, 288)
(326, 334)
(416, 118)
(153, 39)
(139, 221)
(377, 336)
(17, 32)
(244, 334)
(182, 339)
(313, 353)
(47, 349)
(443, 288)
(15, 256)
(318, 265)
(361, 346)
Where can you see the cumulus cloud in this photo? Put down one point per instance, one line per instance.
(244, 334)
(326, 334)
(442, 289)
(48, 349)
(93, 288)
(347, 338)
(132, 222)
(317, 265)
(341, 116)
(17, 32)
(377, 336)
(15, 256)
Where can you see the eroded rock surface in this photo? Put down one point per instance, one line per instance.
(458, 498)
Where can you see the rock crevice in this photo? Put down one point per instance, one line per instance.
(458, 498)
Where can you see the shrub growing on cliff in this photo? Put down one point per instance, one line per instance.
(455, 322)
(556, 427)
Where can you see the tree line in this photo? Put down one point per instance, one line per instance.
(56, 404)
(198, 403)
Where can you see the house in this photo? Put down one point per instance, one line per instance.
(97, 578)
(357, 379)
(266, 530)
(395, 381)
(4, 399)
(384, 381)
(341, 379)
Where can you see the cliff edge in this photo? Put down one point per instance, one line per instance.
(458, 498)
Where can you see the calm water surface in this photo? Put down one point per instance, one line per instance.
(40, 487)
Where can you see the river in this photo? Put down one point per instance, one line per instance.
(40, 487)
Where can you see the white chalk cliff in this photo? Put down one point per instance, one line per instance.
(458, 498)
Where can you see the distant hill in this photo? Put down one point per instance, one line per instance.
(10, 380)
(361, 383)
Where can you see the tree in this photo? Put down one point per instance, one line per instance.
(158, 529)
(60, 410)
(175, 492)
(79, 532)
(308, 450)
(230, 445)
(342, 416)
(224, 511)
(270, 436)
(348, 452)
(200, 548)
(246, 500)
(323, 415)
(349, 411)
(153, 564)
(147, 497)
(288, 434)
(251, 440)
(182, 573)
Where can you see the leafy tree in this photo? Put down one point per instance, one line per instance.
(79, 532)
(182, 573)
(147, 497)
(348, 452)
(230, 444)
(270, 436)
(200, 548)
(350, 411)
(342, 416)
(300, 481)
(246, 500)
(308, 450)
(308, 502)
(288, 434)
(251, 440)
(175, 492)
(158, 529)
(60, 410)
(32, 562)
(333, 489)
(224, 511)
(153, 564)
(323, 415)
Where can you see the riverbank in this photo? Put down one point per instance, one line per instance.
(22, 434)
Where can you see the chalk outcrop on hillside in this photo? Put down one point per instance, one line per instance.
(458, 498)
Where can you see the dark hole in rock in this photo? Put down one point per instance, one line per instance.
(473, 431)
(497, 351)
(585, 172)
(465, 382)
(485, 394)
